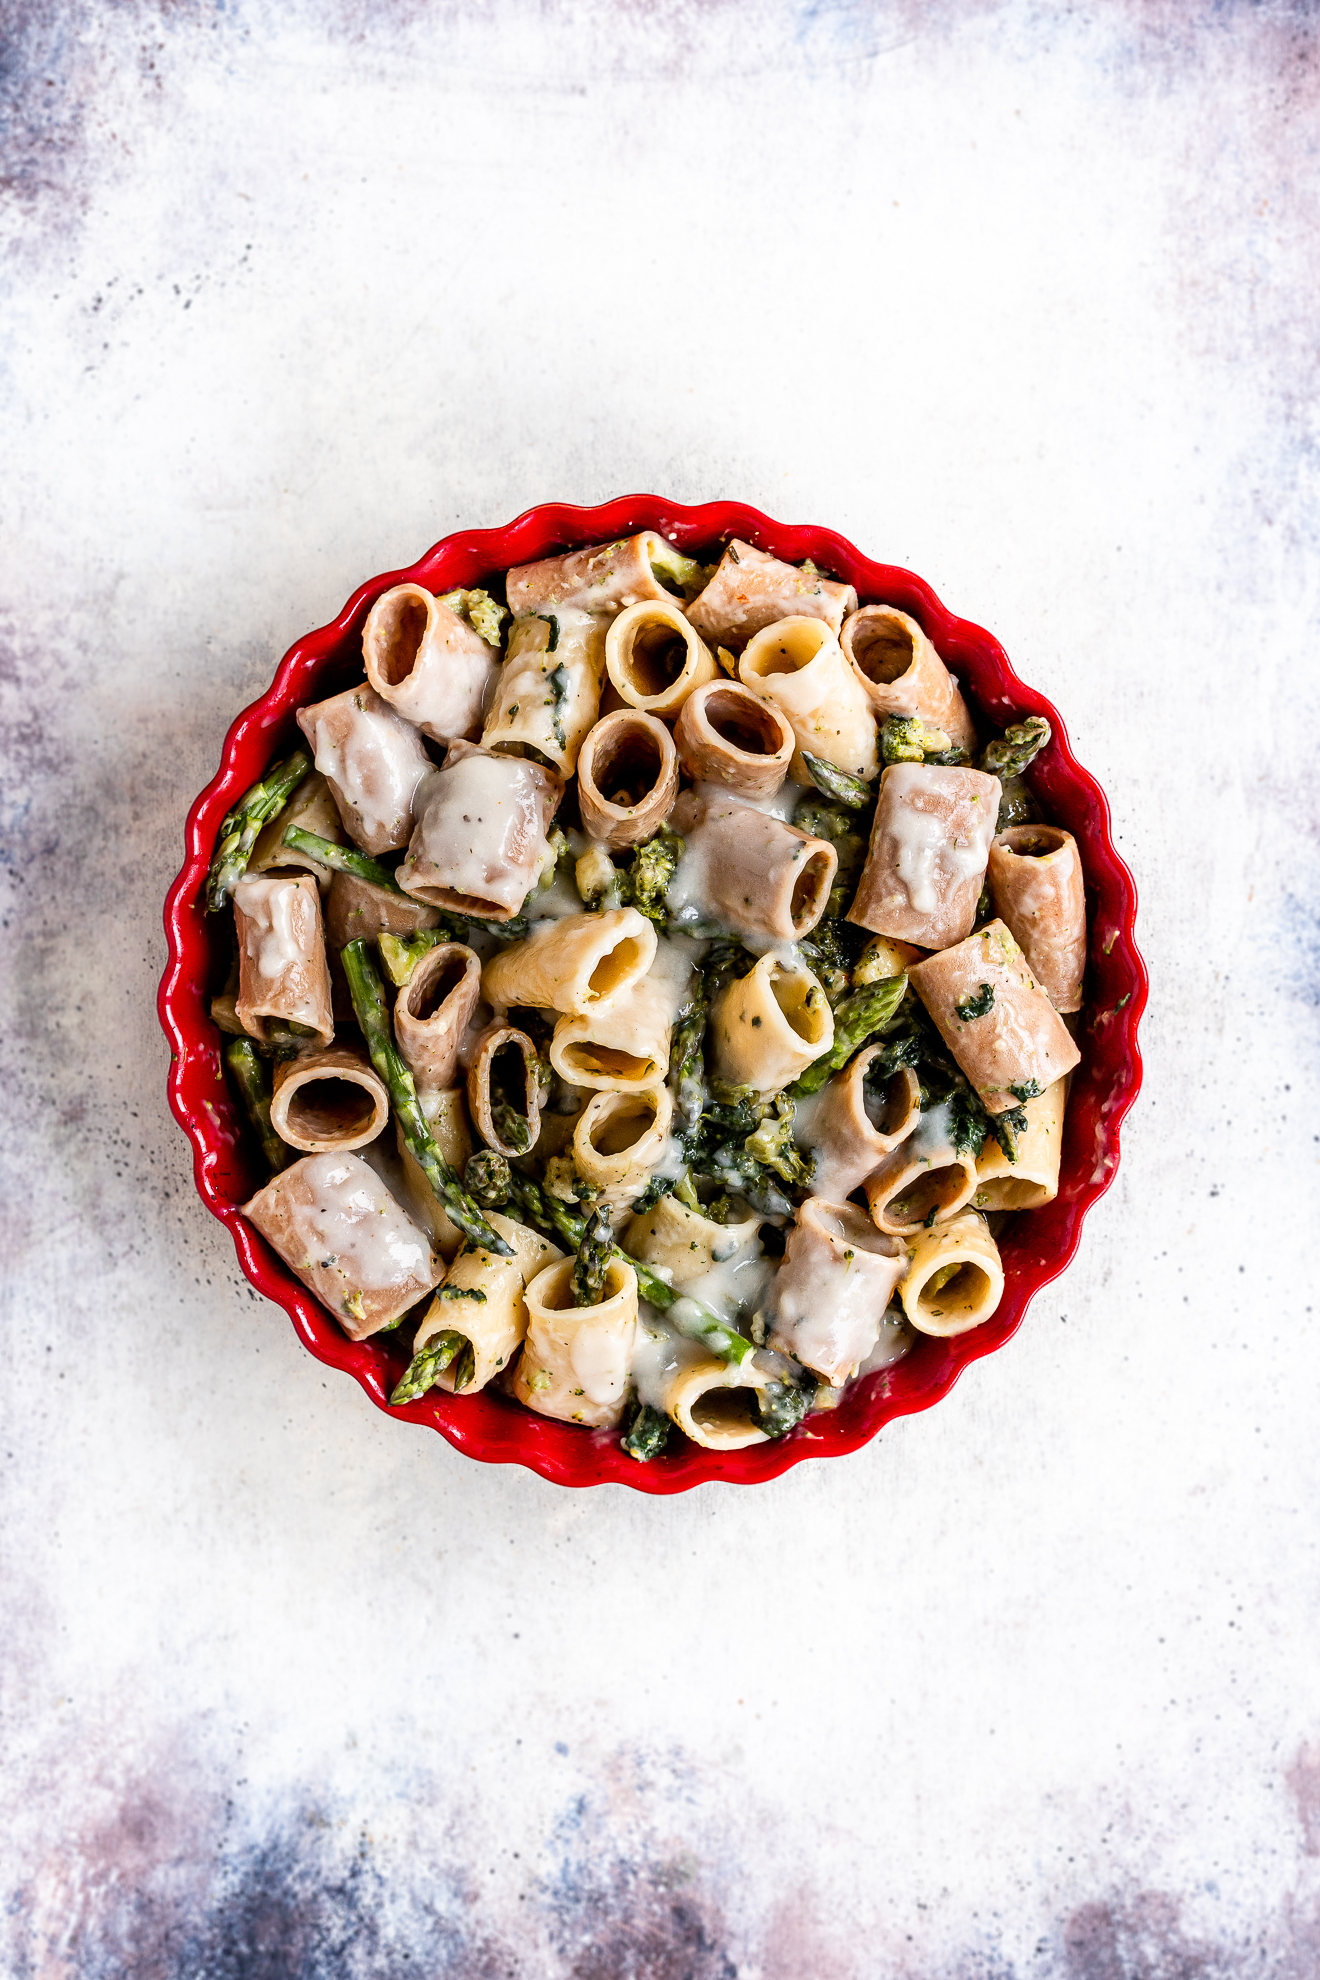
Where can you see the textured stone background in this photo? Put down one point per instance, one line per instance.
(1020, 295)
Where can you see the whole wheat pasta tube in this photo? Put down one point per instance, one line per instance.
(481, 833)
(798, 664)
(579, 964)
(619, 1140)
(927, 856)
(1007, 1036)
(373, 762)
(955, 1280)
(548, 693)
(714, 1403)
(830, 1293)
(336, 1226)
(727, 735)
(902, 673)
(602, 578)
(924, 1174)
(447, 1117)
(1035, 876)
(576, 1359)
(770, 1025)
(688, 1246)
(482, 1299)
(655, 658)
(504, 1090)
(282, 972)
(428, 663)
(748, 871)
(619, 1049)
(627, 774)
(750, 590)
(851, 1127)
(432, 1012)
(312, 809)
(1033, 1177)
(328, 1102)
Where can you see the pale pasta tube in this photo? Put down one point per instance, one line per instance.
(727, 735)
(627, 778)
(1032, 1178)
(312, 808)
(902, 673)
(715, 1404)
(689, 1247)
(1001, 1028)
(548, 693)
(432, 1012)
(335, 1225)
(924, 1177)
(576, 1360)
(1035, 876)
(428, 663)
(357, 911)
(955, 1280)
(750, 590)
(621, 1048)
(798, 664)
(770, 1025)
(602, 578)
(481, 833)
(855, 1121)
(580, 964)
(504, 1090)
(619, 1140)
(928, 852)
(830, 1293)
(748, 871)
(447, 1118)
(283, 978)
(328, 1102)
(655, 658)
(373, 762)
(483, 1300)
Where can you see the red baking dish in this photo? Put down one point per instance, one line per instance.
(1035, 1247)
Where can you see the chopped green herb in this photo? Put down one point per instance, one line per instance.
(976, 1006)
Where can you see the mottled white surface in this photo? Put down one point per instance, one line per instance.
(1027, 1690)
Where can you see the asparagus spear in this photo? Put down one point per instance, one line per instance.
(251, 1075)
(592, 1266)
(834, 783)
(647, 1434)
(369, 1006)
(856, 1018)
(1020, 743)
(687, 1066)
(782, 1406)
(422, 1371)
(907, 739)
(238, 832)
(401, 953)
(344, 859)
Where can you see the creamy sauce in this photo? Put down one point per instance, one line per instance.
(660, 1355)
(376, 760)
(480, 828)
(354, 1226)
(277, 931)
(894, 1340)
(600, 1358)
(933, 855)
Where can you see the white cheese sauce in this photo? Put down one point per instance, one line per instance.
(278, 925)
(354, 1225)
(377, 760)
(601, 1358)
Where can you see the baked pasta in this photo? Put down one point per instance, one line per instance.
(650, 993)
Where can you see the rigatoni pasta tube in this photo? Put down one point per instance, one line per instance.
(621, 1048)
(504, 1090)
(750, 589)
(578, 964)
(627, 778)
(312, 808)
(749, 871)
(715, 1403)
(1035, 876)
(1032, 1178)
(327, 1102)
(619, 1140)
(955, 1280)
(283, 978)
(798, 664)
(576, 1359)
(356, 911)
(924, 1178)
(428, 663)
(855, 1121)
(336, 1226)
(602, 578)
(482, 1299)
(433, 1010)
(688, 1246)
(902, 673)
(770, 1025)
(655, 657)
(929, 845)
(727, 735)
(548, 693)
(1001, 1028)
(830, 1293)
(447, 1118)
(373, 762)
(481, 833)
